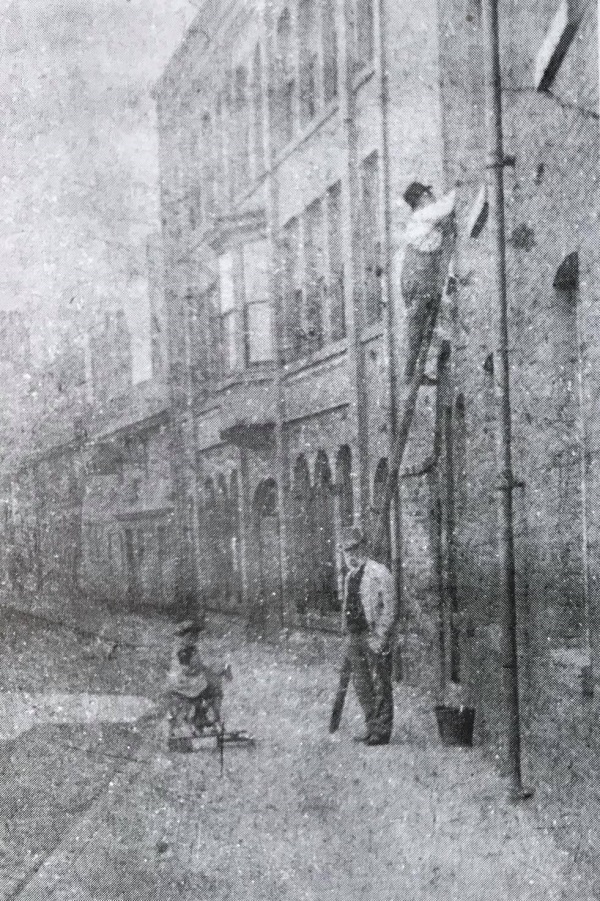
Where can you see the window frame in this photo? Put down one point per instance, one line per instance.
(371, 226)
(250, 303)
(284, 93)
(310, 61)
(364, 27)
(229, 316)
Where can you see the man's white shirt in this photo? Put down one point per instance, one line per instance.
(422, 229)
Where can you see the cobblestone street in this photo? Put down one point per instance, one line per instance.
(95, 809)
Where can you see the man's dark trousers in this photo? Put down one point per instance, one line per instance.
(372, 680)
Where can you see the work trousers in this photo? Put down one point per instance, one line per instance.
(372, 680)
(418, 314)
(422, 287)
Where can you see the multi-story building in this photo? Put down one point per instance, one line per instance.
(288, 133)
(127, 515)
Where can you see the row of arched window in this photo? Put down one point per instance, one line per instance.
(316, 511)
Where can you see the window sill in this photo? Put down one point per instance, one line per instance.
(255, 372)
(335, 349)
(362, 76)
(306, 132)
(371, 332)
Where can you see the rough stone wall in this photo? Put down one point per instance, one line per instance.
(551, 203)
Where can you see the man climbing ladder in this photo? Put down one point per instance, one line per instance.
(429, 241)
(428, 247)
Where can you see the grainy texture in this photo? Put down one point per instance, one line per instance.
(202, 353)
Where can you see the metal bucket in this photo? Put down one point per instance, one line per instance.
(455, 725)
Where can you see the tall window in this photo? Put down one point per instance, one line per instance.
(194, 188)
(199, 342)
(177, 198)
(240, 125)
(292, 291)
(371, 245)
(161, 556)
(308, 35)
(285, 87)
(222, 146)
(314, 257)
(230, 129)
(330, 49)
(337, 317)
(208, 165)
(364, 32)
(258, 113)
(229, 313)
(213, 354)
(313, 276)
(258, 308)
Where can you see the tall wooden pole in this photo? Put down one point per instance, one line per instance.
(495, 174)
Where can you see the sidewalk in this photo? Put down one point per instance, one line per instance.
(303, 815)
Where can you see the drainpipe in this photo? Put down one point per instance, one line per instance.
(495, 178)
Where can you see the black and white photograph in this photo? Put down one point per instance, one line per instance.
(299, 450)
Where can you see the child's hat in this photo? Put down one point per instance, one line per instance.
(189, 627)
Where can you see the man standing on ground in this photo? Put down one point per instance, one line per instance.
(429, 241)
(369, 609)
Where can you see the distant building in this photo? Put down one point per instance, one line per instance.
(111, 359)
(127, 515)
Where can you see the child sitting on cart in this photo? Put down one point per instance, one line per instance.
(195, 689)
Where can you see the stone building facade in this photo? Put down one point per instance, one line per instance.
(127, 512)
(87, 500)
(288, 133)
(549, 55)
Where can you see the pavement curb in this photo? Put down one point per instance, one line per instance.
(40, 885)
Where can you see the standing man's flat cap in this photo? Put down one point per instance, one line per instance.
(353, 537)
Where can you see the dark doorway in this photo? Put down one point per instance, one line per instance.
(267, 588)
